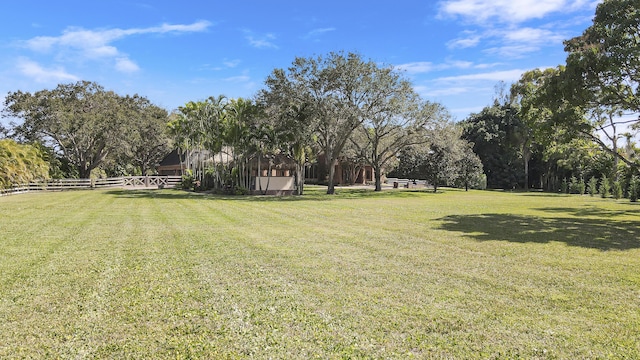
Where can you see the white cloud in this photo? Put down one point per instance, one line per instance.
(231, 63)
(520, 41)
(463, 43)
(425, 66)
(512, 41)
(40, 74)
(509, 11)
(456, 90)
(532, 35)
(125, 65)
(263, 42)
(506, 76)
(315, 33)
(416, 67)
(512, 51)
(91, 39)
(239, 78)
(97, 44)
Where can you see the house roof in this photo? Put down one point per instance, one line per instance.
(173, 158)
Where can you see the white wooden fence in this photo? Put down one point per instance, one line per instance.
(129, 182)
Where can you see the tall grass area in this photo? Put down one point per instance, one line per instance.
(397, 274)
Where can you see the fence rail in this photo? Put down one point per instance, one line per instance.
(129, 182)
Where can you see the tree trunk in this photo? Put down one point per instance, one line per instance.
(259, 187)
(268, 179)
(616, 158)
(526, 173)
(299, 178)
(332, 170)
(378, 177)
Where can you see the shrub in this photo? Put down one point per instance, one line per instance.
(592, 186)
(634, 188)
(564, 187)
(616, 190)
(604, 187)
(576, 186)
(241, 190)
(188, 181)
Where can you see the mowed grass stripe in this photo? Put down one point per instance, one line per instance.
(180, 275)
(55, 287)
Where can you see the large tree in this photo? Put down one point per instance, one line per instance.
(289, 121)
(83, 122)
(200, 126)
(496, 138)
(598, 92)
(536, 124)
(399, 121)
(148, 137)
(603, 64)
(339, 92)
(468, 167)
(443, 158)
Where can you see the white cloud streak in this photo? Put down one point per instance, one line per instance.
(263, 42)
(465, 42)
(496, 76)
(41, 74)
(125, 65)
(315, 33)
(509, 11)
(425, 66)
(97, 44)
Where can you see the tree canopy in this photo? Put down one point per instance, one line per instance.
(339, 108)
(339, 93)
(88, 125)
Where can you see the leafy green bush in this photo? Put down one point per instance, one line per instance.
(21, 164)
(564, 187)
(240, 190)
(604, 187)
(634, 188)
(188, 181)
(616, 190)
(576, 186)
(592, 186)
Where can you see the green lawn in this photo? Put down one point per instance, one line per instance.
(168, 274)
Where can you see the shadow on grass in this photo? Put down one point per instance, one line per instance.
(311, 195)
(594, 211)
(602, 234)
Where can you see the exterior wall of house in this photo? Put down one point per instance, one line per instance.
(278, 185)
(171, 170)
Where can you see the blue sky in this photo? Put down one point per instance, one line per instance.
(172, 52)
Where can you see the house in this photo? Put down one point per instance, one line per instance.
(171, 164)
(346, 172)
(281, 179)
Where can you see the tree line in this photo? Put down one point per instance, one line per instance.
(339, 106)
(572, 124)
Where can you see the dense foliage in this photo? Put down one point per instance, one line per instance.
(340, 94)
(21, 164)
(90, 127)
(446, 159)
